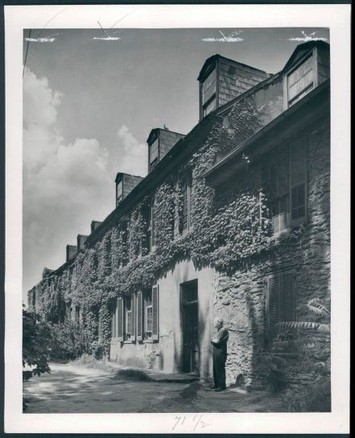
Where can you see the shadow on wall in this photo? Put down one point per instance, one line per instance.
(204, 356)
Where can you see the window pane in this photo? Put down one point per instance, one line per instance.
(298, 201)
(128, 323)
(209, 86)
(282, 178)
(149, 319)
(119, 191)
(300, 80)
(298, 163)
(153, 151)
(148, 298)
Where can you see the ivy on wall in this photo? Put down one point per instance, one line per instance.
(226, 231)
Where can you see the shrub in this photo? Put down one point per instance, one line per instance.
(68, 341)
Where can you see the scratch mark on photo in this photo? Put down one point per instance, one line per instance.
(45, 39)
(311, 37)
(109, 35)
(232, 38)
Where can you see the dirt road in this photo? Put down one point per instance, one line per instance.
(76, 389)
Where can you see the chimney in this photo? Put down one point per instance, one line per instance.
(71, 250)
(81, 239)
(222, 79)
(94, 225)
(160, 141)
(125, 183)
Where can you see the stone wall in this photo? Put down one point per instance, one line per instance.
(240, 299)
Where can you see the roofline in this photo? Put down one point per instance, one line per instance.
(179, 151)
(125, 173)
(142, 189)
(272, 125)
(162, 129)
(220, 110)
(218, 56)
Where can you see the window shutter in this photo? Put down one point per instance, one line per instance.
(155, 303)
(139, 316)
(120, 319)
(288, 297)
(176, 219)
(133, 304)
(273, 306)
(114, 317)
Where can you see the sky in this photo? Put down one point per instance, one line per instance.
(89, 105)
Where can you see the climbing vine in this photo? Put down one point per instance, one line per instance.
(225, 231)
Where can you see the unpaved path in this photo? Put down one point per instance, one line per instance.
(75, 389)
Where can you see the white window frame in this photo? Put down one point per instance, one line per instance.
(286, 217)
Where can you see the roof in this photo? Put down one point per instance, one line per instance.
(155, 131)
(212, 59)
(121, 174)
(296, 115)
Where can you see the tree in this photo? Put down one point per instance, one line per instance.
(36, 345)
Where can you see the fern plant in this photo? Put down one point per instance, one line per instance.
(310, 369)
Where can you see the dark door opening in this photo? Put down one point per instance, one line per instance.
(189, 308)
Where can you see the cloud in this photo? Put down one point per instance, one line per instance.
(65, 186)
(132, 155)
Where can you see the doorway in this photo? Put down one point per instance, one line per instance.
(189, 310)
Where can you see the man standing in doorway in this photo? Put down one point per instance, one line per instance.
(219, 344)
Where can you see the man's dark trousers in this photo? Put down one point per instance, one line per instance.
(219, 369)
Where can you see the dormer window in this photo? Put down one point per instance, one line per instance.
(160, 141)
(222, 79)
(125, 183)
(300, 81)
(209, 93)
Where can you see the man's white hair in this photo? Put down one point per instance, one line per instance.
(218, 319)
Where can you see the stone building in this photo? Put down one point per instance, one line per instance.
(233, 219)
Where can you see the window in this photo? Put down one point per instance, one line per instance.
(148, 314)
(151, 228)
(136, 317)
(186, 204)
(209, 86)
(153, 153)
(288, 188)
(128, 334)
(300, 81)
(123, 319)
(119, 192)
(209, 90)
(280, 302)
